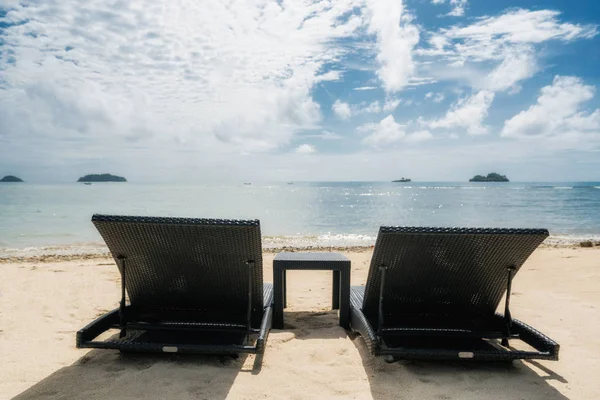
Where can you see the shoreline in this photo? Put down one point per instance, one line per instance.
(61, 253)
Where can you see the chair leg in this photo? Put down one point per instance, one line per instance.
(507, 316)
(122, 318)
(250, 265)
(382, 268)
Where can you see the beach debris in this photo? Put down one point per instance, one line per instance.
(587, 243)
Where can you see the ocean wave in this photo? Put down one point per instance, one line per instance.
(579, 187)
(324, 241)
(569, 240)
(319, 241)
(62, 250)
(268, 242)
(436, 187)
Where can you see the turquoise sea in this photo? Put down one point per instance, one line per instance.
(56, 218)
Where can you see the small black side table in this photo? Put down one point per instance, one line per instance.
(336, 262)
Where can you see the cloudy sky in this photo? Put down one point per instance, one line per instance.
(265, 90)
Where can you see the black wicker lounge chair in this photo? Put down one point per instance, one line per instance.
(194, 286)
(432, 293)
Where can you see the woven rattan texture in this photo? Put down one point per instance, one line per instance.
(198, 266)
(445, 271)
(545, 348)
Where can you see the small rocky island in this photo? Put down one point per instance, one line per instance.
(11, 178)
(101, 178)
(403, 179)
(491, 177)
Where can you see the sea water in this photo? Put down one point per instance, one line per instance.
(56, 218)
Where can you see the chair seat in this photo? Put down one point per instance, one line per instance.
(199, 319)
(433, 324)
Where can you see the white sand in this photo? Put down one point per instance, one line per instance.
(42, 305)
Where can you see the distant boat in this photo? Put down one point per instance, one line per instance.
(290, 183)
(403, 179)
(86, 183)
(247, 183)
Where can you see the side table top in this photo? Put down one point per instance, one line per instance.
(310, 256)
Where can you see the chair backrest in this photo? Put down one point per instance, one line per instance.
(195, 265)
(445, 271)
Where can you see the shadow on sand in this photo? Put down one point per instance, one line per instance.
(108, 374)
(306, 325)
(457, 380)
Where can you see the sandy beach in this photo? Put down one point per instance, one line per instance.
(44, 302)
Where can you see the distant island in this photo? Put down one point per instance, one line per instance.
(11, 178)
(101, 178)
(403, 179)
(491, 177)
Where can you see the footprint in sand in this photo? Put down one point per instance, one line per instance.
(114, 368)
(342, 352)
(281, 337)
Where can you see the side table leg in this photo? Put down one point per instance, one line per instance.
(344, 282)
(284, 273)
(278, 303)
(335, 298)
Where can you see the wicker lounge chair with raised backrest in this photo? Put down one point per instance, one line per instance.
(432, 293)
(194, 286)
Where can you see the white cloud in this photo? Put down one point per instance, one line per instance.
(458, 6)
(386, 132)
(435, 97)
(162, 74)
(515, 67)
(329, 76)
(557, 113)
(468, 113)
(306, 149)
(326, 135)
(344, 110)
(391, 104)
(396, 38)
(438, 42)
(341, 109)
(524, 26)
(419, 136)
(490, 38)
(365, 88)
(374, 107)
(508, 42)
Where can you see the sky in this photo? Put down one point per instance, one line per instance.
(358, 90)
